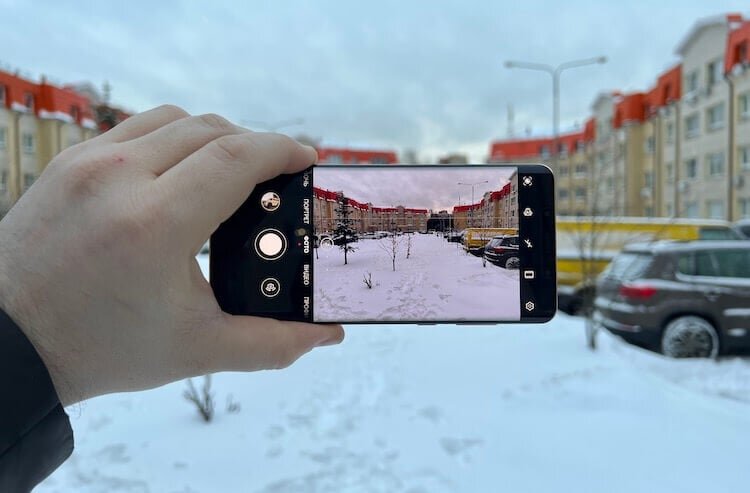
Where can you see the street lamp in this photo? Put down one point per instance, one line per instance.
(555, 73)
(471, 207)
(273, 126)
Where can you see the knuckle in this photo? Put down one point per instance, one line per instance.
(173, 110)
(231, 148)
(216, 122)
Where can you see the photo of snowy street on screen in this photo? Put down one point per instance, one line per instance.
(416, 244)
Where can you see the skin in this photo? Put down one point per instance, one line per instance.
(97, 258)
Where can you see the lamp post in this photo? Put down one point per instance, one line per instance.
(555, 73)
(471, 207)
(273, 126)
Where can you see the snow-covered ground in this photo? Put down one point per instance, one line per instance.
(438, 281)
(518, 408)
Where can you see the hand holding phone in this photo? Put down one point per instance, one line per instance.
(392, 244)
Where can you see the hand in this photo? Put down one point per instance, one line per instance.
(97, 258)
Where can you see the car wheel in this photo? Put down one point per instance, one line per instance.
(484, 261)
(690, 337)
(513, 263)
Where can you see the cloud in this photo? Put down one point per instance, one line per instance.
(420, 75)
(433, 188)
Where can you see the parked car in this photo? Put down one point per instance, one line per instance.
(688, 299)
(455, 236)
(502, 250)
(743, 227)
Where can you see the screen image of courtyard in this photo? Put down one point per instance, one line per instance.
(409, 244)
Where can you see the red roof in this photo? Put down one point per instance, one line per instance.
(48, 101)
(504, 150)
(738, 46)
(629, 108)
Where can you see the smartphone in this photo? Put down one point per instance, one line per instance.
(425, 244)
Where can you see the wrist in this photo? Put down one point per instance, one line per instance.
(16, 303)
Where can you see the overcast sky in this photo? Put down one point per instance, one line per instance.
(428, 188)
(399, 74)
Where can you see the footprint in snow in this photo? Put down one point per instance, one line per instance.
(114, 453)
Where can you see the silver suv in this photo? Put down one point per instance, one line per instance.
(687, 299)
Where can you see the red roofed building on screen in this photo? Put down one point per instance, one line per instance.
(343, 155)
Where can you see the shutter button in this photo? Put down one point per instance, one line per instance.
(270, 244)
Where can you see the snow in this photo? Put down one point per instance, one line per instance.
(432, 409)
(439, 281)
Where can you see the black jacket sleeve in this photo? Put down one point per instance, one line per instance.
(35, 433)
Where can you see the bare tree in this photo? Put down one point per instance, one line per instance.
(203, 400)
(391, 246)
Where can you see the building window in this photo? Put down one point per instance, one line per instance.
(691, 81)
(648, 178)
(745, 208)
(28, 180)
(3, 101)
(334, 159)
(691, 210)
(670, 132)
(715, 162)
(563, 194)
(669, 210)
(563, 171)
(670, 172)
(28, 101)
(743, 106)
(580, 171)
(544, 152)
(580, 193)
(714, 72)
(3, 137)
(650, 144)
(743, 153)
(691, 168)
(715, 209)
(692, 126)
(580, 146)
(715, 117)
(3, 181)
(27, 143)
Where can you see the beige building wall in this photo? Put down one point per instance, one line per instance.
(702, 189)
(742, 143)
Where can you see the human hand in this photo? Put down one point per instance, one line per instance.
(97, 258)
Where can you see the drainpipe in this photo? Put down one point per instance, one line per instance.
(730, 151)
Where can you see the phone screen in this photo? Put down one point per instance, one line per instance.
(392, 243)
(409, 244)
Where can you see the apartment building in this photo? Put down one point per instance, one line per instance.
(346, 155)
(497, 209)
(37, 121)
(680, 148)
(571, 163)
(364, 217)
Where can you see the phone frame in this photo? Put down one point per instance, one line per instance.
(538, 197)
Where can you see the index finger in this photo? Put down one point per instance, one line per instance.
(205, 188)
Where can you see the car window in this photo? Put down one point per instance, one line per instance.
(718, 234)
(745, 230)
(627, 266)
(733, 263)
(685, 264)
(705, 264)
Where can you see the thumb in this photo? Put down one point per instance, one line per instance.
(242, 343)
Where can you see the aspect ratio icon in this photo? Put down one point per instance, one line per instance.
(527, 212)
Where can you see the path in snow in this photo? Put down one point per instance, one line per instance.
(410, 409)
